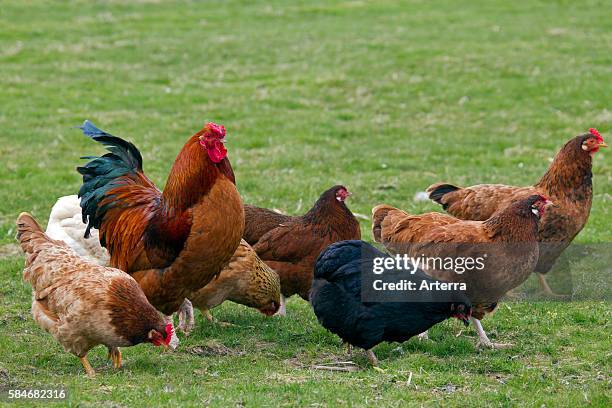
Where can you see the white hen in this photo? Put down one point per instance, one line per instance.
(66, 224)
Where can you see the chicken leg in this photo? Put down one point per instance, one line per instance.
(212, 319)
(546, 288)
(282, 310)
(186, 319)
(483, 340)
(372, 358)
(88, 370)
(349, 348)
(114, 354)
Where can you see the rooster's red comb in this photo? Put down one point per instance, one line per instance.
(216, 129)
(595, 133)
(169, 333)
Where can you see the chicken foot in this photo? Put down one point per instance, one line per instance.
(483, 340)
(369, 353)
(373, 360)
(114, 354)
(186, 319)
(88, 370)
(212, 319)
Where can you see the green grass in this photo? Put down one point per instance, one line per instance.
(384, 97)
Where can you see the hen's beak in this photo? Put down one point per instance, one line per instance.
(603, 144)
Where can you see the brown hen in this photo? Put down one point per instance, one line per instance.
(505, 243)
(567, 182)
(291, 244)
(82, 304)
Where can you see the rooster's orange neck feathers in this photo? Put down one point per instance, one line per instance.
(192, 176)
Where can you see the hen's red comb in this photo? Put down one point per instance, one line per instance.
(217, 130)
(169, 333)
(595, 133)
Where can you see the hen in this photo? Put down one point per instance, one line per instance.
(66, 224)
(291, 244)
(336, 298)
(82, 304)
(505, 244)
(568, 184)
(246, 280)
(172, 242)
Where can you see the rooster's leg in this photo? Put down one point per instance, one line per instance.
(423, 336)
(282, 310)
(185, 315)
(88, 370)
(546, 289)
(114, 354)
(483, 340)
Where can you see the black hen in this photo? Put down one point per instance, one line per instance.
(336, 298)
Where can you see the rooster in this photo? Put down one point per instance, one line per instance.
(507, 242)
(82, 304)
(291, 244)
(336, 298)
(568, 184)
(172, 242)
(246, 279)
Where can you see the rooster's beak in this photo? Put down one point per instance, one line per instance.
(603, 144)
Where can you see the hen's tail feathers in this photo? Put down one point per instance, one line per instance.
(439, 190)
(65, 207)
(29, 233)
(379, 213)
(100, 174)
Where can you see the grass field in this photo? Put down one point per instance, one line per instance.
(384, 97)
